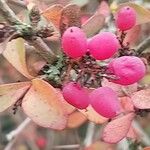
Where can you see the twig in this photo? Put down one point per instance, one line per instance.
(144, 137)
(8, 13)
(18, 130)
(67, 146)
(89, 134)
(144, 45)
(10, 144)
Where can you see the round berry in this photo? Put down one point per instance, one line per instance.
(105, 101)
(103, 45)
(74, 42)
(75, 95)
(126, 18)
(128, 69)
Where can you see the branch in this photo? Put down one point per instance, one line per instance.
(144, 45)
(67, 146)
(18, 130)
(8, 14)
(17, 3)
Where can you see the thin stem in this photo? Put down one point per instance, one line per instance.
(67, 146)
(18, 130)
(8, 13)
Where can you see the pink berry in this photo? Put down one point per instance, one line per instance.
(105, 101)
(126, 18)
(128, 69)
(75, 95)
(74, 42)
(103, 45)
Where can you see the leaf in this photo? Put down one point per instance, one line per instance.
(97, 21)
(133, 35)
(93, 24)
(10, 93)
(143, 15)
(15, 54)
(70, 16)
(132, 133)
(121, 90)
(93, 116)
(127, 104)
(53, 14)
(43, 105)
(147, 148)
(141, 99)
(120, 126)
(76, 119)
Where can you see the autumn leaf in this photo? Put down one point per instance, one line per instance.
(147, 148)
(143, 15)
(53, 14)
(10, 93)
(15, 54)
(43, 105)
(70, 16)
(132, 134)
(120, 126)
(93, 116)
(76, 119)
(141, 99)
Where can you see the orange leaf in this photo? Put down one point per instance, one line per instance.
(147, 148)
(141, 99)
(93, 116)
(53, 14)
(15, 54)
(10, 93)
(120, 126)
(76, 119)
(43, 105)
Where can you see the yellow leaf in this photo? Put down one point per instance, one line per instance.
(15, 54)
(10, 93)
(43, 105)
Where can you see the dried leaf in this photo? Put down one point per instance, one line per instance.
(43, 105)
(143, 15)
(53, 14)
(141, 99)
(147, 148)
(76, 119)
(133, 35)
(70, 16)
(93, 116)
(121, 90)
(97, 21)
(120, 126)
(127, 104)
(15, 54)
(93, 24)
(10, 93)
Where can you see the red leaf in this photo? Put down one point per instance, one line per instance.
(120, 126)
(141, 99)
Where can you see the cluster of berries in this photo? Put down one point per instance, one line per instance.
(127, 69)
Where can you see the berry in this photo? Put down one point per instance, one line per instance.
(126, 18)
(128, 69)
(41, 142)
(103, 45)
(74, 42)
(75, 95)
(105, 102)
